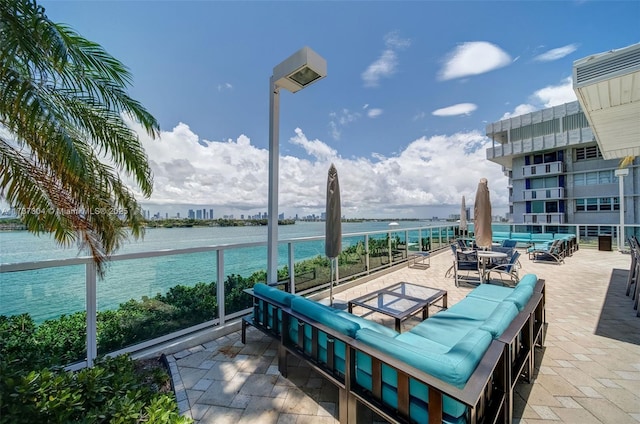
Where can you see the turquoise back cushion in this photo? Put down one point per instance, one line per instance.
(365, 323)
(490, 292)
(528, 280)
(520, 296)
(272, 293)
(500, 319)
(446, 328)
(324, 315)
(474, 308)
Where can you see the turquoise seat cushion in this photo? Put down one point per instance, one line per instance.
(445, 328)
(365, 323)
(454, 367)
(500, 319)
(422, 342)
(521, 236)
(520, 296)
(272, 293)
(474, 308)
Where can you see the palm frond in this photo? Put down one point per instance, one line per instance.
(626, 161)
(63, 100)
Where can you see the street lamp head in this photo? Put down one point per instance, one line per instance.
(301, 69)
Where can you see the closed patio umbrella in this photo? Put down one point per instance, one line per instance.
(463, 218)
(333, 225)
(482, 215)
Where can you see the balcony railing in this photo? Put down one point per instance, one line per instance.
(543, 169)
(544, 194)
(544, 218)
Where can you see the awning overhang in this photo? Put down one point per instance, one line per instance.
(608, 89)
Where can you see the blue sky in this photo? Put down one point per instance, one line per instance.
(402, 112)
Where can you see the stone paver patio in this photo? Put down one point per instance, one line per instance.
(588, 372)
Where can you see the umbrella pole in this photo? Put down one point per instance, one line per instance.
(331, 283)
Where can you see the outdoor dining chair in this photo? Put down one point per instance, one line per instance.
(466, 268)
(507, 272)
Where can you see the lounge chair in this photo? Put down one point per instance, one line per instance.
(553, 252)
(508, 272)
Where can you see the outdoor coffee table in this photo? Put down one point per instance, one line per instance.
(401, 300)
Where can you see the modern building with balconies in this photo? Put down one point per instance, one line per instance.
(557, 174)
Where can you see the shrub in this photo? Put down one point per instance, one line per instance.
(110, 392)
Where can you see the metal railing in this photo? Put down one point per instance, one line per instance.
(378, 250)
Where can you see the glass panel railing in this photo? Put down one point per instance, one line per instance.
(352, 261)
(42, 315)
(145, 298)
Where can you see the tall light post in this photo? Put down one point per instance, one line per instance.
(300, 70)
(621, 173)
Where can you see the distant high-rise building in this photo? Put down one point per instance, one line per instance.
(211, 213)
(192, 214)
(281, 216)
(199, 214)
(178, 215)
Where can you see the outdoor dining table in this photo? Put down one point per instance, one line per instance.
(484, 257)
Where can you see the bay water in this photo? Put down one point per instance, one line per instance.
(50, 292)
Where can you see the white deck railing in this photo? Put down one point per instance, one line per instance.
(439, 238)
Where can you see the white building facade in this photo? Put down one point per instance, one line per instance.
(557, 174)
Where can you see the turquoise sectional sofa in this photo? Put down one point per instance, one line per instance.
(537, 239)
(430, 373)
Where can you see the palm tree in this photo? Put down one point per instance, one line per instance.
(626, 161)
(64, 138)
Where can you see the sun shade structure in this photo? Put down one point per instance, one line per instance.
(608, 90)
(333, 226)
(482, 215)
(298, 71)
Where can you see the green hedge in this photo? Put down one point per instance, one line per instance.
(110, 392)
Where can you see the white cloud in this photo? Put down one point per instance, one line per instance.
(386, 65)
(225, 86)
(459, 109)
(419, 116)
(519, 110)
(374, 113)
(552, 95)
(473, 58)
(233, 175)
(557, 94)
(341, 119)
(555, 54)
